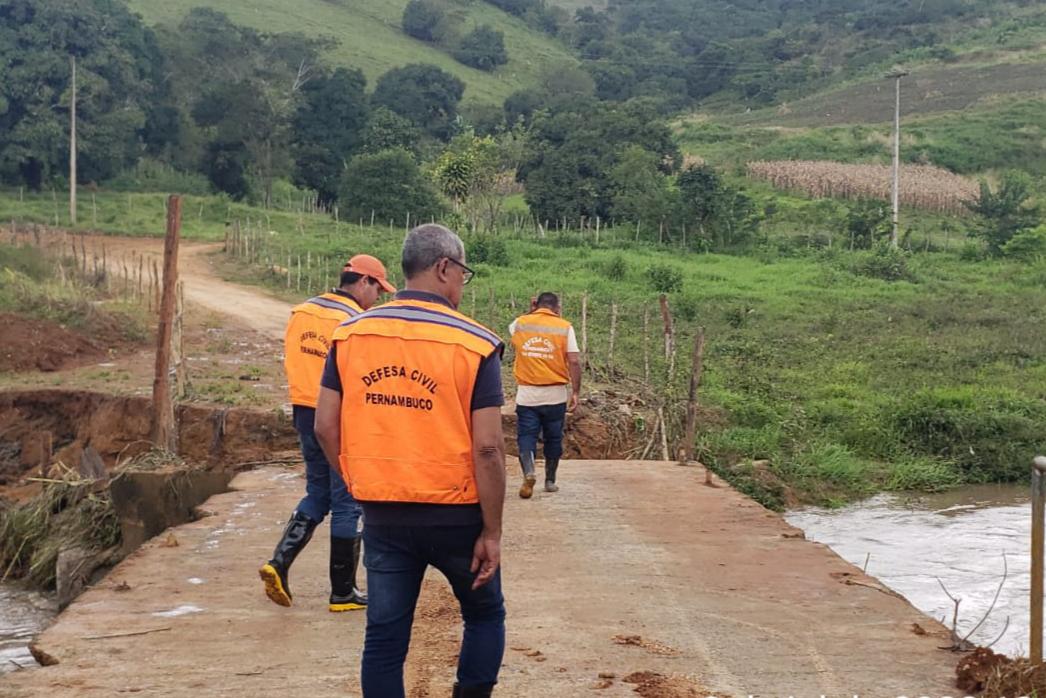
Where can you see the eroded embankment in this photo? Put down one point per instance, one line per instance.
(41, 427)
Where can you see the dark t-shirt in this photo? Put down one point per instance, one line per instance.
(487, 392)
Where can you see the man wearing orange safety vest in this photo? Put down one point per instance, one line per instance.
(411, 409)
(547, 362)
(306, 345)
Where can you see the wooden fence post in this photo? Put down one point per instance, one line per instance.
(666, 317)
(584, 330)
(613, 333)
(691, 403)
(164, 432)
(646, 343)
(178, 345)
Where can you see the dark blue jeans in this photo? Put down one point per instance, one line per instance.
(326, 491)
(548, 421)
(396, 558)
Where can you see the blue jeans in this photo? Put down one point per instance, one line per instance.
(396, 558)
(544, 419)
(326, 491)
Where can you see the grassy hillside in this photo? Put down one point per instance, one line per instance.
(931, 89)
(370, 38)
(1008, 134)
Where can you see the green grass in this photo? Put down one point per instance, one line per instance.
(845, 382)
(31, 284)
(370, 38)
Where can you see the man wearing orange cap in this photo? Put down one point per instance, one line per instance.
(306, 345)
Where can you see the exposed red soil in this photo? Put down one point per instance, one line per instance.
(38, 427)
(28, 344)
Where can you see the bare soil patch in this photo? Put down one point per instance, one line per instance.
(28, 344)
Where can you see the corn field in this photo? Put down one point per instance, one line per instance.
(922, 186)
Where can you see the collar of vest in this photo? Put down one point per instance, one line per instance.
(544, 311)
(422, 311)
(424, 296)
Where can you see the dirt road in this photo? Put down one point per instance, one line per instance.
(203, 288)
(634, 579)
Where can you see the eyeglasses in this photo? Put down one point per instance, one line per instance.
(467, 272)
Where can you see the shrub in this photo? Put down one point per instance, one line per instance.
(390, 185)
(664, 278)
(615, 268)
(482, 48)
(989, 435)
(487, 249)
(420, 19)
(886, 263)
(1029, 245)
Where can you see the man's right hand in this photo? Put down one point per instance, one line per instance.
(572, 404)
(486, 557)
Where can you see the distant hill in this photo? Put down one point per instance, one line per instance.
(931, 89)
(370, 37)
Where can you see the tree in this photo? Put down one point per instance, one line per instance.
(640, 190)
(483, 48)
(118, 70)
(421, 18)
(244, 88)
(867, 222)
(570, 156)
(328, 129)
(388, 185)
(387, 130)
(1005, 212)
(478, 173)
(423, 94)
(724, 215)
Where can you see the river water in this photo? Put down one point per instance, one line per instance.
(22, 616)
(958, 537)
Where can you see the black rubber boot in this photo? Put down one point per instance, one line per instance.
(551, 466)
(472, 691)
(275, 572)
(526, 461)
(345, 560)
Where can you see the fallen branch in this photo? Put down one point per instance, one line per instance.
(963, 644)
(137, 632)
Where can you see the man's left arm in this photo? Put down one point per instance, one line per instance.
(574, 367)
(488, 457)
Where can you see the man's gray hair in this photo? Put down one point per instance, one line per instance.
(426, 245)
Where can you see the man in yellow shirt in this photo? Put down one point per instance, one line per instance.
(306, 346)
(548, 373)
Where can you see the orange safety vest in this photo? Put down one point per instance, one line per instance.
(307, 342)
(407, 373)
(540, 341)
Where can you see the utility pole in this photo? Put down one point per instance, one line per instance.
(72, 146)
(896, 76)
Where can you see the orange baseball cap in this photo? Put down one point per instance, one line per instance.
(372, 267)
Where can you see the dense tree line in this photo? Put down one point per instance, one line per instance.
(246, 110)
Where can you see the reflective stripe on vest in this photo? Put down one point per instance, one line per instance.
(407, 372)
(307, 342)
(540, 343)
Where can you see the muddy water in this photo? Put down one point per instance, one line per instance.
(22, 616)
(958, 537)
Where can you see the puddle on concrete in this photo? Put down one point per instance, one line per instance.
(184, 610)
